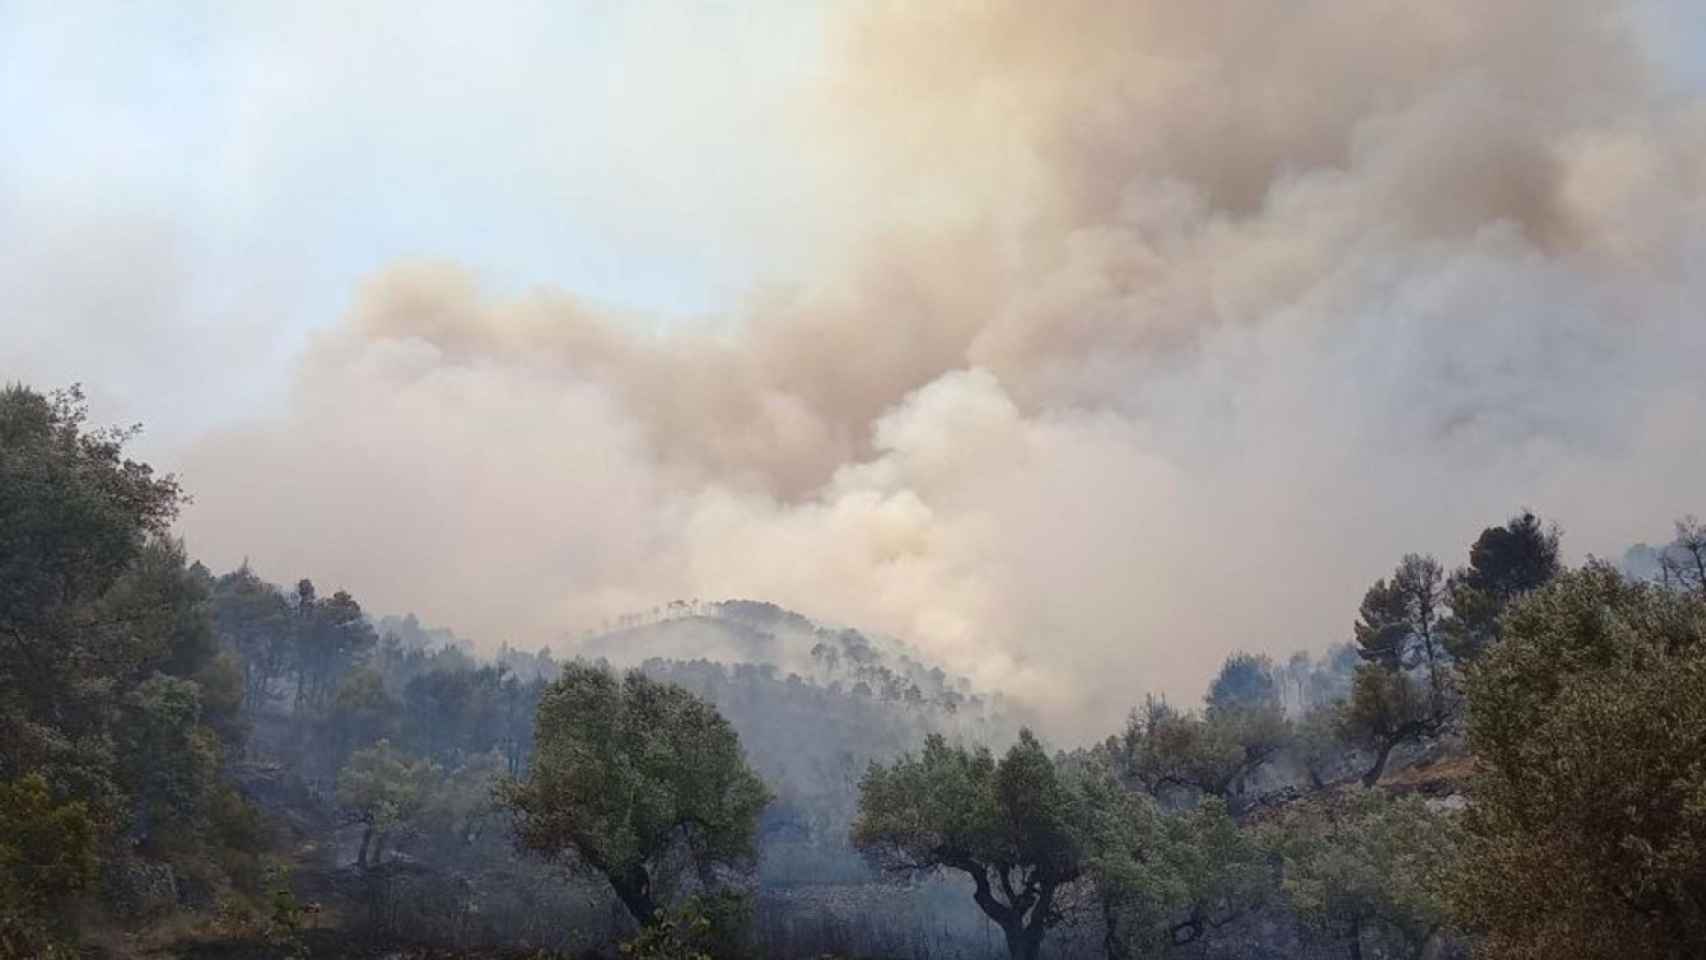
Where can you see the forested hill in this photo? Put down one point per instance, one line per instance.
(813, 705)
(787, 643)
(192, 758)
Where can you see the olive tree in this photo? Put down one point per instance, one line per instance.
(1364, 865)
(1016, 827)
(627, 772)
(1588, 722)
(1164, 749)
(1167, 879)
(1386, 708)
(383, 789)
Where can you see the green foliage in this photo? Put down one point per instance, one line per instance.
(361, 712)
(707, 927)
(252, 618)
(84, 610)
(284, 915)
(1018, 828)
(240, 836)
(462, 807)
(1386, 708)
(1318, 741)
(1366, 863)
(222, 693)
(1399, 627)
(1165, 879)
(112, 692)
(1398, 620)
(1504, 563)
(1245, 682)
(47, 854)
(1588, 827)
(331, 635)
(627, 770)
(74, 513)
(1165, 749)
(382, 789)
(167, 756)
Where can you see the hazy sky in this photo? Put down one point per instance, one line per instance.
(1077, 346)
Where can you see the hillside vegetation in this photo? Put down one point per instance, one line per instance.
(1502, 758)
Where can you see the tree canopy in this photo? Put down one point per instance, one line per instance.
(1367, 864)
(1589, 723)
(1164, 749)
(1505, 562)
(114, 706)
(626, 771)
(1016, 827)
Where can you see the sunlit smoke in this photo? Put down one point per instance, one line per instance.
(1150, 331)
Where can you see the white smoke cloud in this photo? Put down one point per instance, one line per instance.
(1148, 331)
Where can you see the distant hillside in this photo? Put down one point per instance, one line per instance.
(813, 705)
(763, 634)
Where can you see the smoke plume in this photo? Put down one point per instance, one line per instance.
(1134, 333)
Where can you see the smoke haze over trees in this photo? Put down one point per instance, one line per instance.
(1216, 302)
(799, 477)
(201, 752)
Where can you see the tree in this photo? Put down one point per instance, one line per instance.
(47, 854)
(710, 927)
(361, 713)
(626, 772)
(1504, 563)
(75, 517)
(332, 636)
(1318, 742)
(1166, 880)
(1587, 830)
(1386, 708)
(462, 806)
(1397, 630)
(382, 789)
(1245, 710)
(252, 617)
(1398, 623)
(1245, 682)
(1164, 748)
(105, 645)
(170, 760)
(1016, 828)
(1371, 862)
(1682, 564)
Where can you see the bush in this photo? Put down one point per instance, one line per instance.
(47, 854)
(708, 927)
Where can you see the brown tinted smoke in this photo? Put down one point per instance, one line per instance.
(1150, 330)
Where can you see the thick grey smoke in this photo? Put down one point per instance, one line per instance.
(1140, 332)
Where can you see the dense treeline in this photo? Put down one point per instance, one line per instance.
(116, 704)
(1502, 758)
(1583, 697)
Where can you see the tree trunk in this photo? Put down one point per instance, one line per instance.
(1356, 938)
(1112, 944)
(1023, 943)
(361, 855)
(1433, 946)
(634, 888)
(1436, 686)
(1372, 777)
